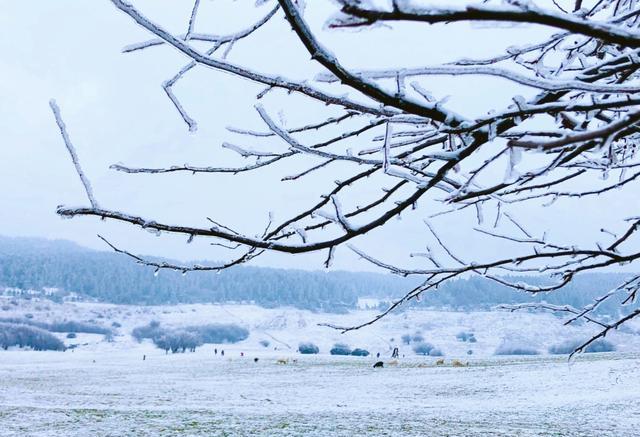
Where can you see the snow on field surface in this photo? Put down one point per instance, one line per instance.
(106, 389)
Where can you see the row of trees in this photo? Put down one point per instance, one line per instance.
(14, 334)
(337, 349)
(26, 263)
(61, 326)
(189, 337)
(32, 263)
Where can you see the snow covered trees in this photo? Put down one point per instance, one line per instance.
(15, 334)
(569, 132)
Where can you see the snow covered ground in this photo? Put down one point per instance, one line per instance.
(107, 389)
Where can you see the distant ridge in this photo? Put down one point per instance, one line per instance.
(35, 263)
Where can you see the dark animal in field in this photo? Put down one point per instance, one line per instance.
(255, 360)
(378, 364)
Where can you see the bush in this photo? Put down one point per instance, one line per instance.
(308, 348)
(151, 330)
(435, 352)
(116, 325)
(216, 333)
(12, 334)
(65, 326)
(512, 348)
(72, 335)
(73, 326)
(600, 346)
(422, 348)
(569, 346)
(176, 341)
(406, 339)
(264, 343)
(189, 337)
(466, 336)
(340, 349)
(357, 352)
(418, 338)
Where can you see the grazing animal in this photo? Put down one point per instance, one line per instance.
(283, 361)
(440, 362)
(458, 363)
(378, 364)
(423, 365)
(393, 363)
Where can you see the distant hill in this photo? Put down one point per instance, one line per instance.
(32, 263)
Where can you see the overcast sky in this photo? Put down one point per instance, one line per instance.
(116, 111)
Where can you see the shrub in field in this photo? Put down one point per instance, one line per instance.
(340, 349)
(435, 352)
(466, 336)
(73, 326)
(357, 352)
(514, 348)
(422, 348)
(150, 330)
(308, 348)
(12, 334)
(569, 346)
(72, 335)
(264, 343)
(406, 338)
(417, 338)
(215, 333)
(63, 326)
(189, 337)
(600, 346)
(178, 341)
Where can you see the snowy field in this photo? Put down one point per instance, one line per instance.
(107, 389)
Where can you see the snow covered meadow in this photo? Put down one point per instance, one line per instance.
(123, 387)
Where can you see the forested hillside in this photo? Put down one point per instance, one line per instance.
(36, 263)
(107, 276)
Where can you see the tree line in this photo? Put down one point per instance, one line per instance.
(109, 277)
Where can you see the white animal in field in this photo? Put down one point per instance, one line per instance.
(283, 361)
(392, 363)
(458, 363)
(440, 362)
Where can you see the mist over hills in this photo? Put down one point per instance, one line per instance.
(33, 263)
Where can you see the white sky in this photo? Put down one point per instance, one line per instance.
(116, 111)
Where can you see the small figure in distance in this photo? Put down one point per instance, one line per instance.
(378, 364)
